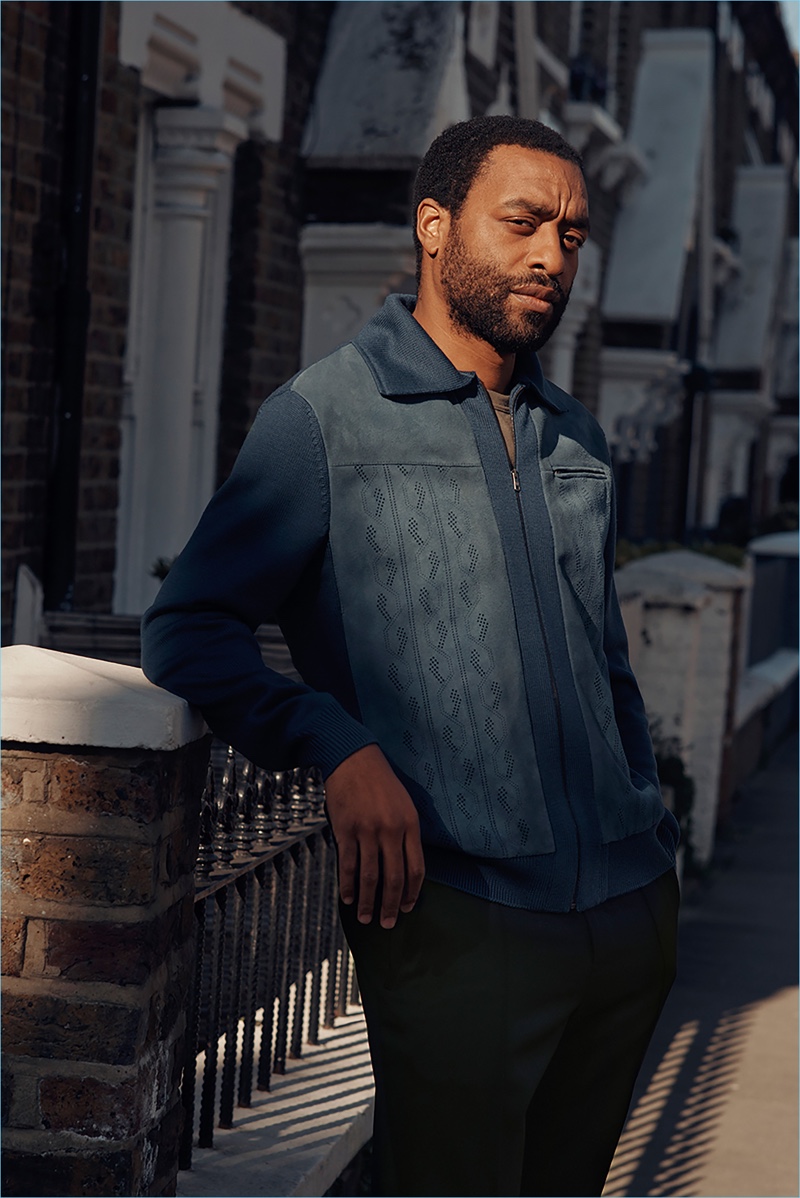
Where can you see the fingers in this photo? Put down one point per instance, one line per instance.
(394, 881)
(347, 852)
(376, 828)
(415, 872)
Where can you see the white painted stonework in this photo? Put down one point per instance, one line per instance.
(640, 390)
(749, 314)
(736, 421)
(60, 699)
(229, 72)
(392, 77)
(685, 664)
(583, 298)
(782, 446)
(172, 369)
(349, 270)
(669, 126)
(208, 54)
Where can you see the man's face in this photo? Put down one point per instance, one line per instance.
(511, 256)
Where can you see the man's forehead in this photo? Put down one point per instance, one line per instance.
(505, 165)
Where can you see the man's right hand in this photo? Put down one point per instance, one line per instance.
(376, 827)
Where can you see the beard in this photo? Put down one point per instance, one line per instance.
(478, 298)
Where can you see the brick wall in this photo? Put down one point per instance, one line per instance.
(263, 321)
(98, 857)
(34, 48)
(109, 284)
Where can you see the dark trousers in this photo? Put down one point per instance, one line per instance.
(505, 1043)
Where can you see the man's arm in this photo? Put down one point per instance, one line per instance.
(260, 536)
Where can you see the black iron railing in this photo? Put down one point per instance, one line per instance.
(272, 966)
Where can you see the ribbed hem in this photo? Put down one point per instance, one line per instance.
(548, 882)
(334, 737)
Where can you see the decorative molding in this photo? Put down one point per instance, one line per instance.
(169, 425)
(618, 167)
(583, 119)
(727, 263)
(556, 69)
(349, 271)
(583, 298)
(734, 426)
(782, 445)
(210, 54)
(640, 392)
(484, 19)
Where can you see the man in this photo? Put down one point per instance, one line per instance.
(432, 522)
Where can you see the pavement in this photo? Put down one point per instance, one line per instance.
(298, 1138)
(715, 1113)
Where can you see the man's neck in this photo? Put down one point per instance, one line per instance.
(465, 352)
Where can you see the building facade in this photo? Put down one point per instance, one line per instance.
(199, 198)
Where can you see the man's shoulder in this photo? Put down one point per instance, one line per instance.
(579, 418)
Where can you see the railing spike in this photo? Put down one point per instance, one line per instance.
(208, 818)
(226, 805)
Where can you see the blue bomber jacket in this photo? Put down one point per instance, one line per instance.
(457, 612)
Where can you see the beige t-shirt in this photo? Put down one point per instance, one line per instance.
(502, 410)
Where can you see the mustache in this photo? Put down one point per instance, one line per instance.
(539, 280)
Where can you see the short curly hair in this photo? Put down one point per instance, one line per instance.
(456, 157)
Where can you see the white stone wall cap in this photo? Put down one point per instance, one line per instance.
(775, 544)
(763, 682)
(62, 699)
(660, 588)
(698, 568)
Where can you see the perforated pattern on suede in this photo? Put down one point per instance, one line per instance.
(449, 727)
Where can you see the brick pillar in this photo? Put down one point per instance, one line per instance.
(102, 775)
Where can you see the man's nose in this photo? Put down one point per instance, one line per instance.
(545, 251)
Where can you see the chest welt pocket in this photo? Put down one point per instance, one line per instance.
(579, 502)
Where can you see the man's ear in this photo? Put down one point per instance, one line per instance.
(433, 223)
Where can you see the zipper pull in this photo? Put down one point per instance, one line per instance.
(515, 479)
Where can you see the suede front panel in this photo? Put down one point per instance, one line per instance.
(432, 644)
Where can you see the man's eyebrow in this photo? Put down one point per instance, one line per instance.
(523, 205)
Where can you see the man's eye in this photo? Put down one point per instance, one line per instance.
(573, 241)
(523, 222)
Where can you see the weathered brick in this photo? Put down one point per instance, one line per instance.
(21, 1105)
(6, 1095)
(121, 953)
(23, 778)
(78, 869)
(165, 1142)
(96, 784)
(36, 1025)
(92, 1107)
(179, 854)
(60, 1175)
(13, 946)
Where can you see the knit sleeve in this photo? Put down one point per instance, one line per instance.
(259, 536)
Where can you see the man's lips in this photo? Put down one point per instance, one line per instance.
(538, 299)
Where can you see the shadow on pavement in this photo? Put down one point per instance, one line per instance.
(738, 948)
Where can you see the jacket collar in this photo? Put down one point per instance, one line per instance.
(405, 361)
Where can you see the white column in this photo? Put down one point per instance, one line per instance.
(170, 431)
